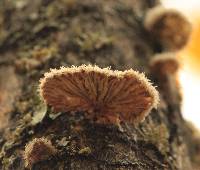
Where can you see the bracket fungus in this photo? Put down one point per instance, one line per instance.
(106, 96)
(169, 27)
(37, 150)
(164, 67)
(164, 64)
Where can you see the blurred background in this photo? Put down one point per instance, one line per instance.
(189, 74)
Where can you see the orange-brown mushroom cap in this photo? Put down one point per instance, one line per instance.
(37, 150)
(168, 26)
(164, 63)
(127, 95)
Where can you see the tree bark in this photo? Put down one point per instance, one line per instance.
(42, 34)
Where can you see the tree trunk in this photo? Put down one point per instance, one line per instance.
(42, 34)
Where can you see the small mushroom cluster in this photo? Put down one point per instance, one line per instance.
(171, 30)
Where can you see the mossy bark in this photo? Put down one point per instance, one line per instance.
(42, 34)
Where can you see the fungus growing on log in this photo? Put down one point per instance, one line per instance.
(164, 63)
(37, 150)
(164, 67)
(169, 27)
(104, 95)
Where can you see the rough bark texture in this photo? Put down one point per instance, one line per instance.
(42, 34)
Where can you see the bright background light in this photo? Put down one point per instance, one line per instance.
(189, 74)
(184, 5)
(191, 97)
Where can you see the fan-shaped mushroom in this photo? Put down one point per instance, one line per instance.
(105, 95)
